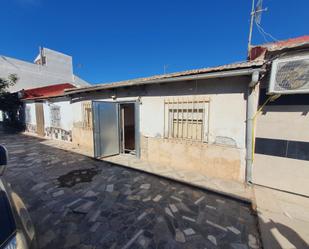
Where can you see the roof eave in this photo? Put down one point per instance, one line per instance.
(210, 75)
(45, 98)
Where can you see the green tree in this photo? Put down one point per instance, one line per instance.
(9, 102)
(6, 83)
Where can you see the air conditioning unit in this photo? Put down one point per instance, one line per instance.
(289, 75)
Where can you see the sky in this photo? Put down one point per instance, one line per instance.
(124, 39)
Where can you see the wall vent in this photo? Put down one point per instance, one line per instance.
(289, 76)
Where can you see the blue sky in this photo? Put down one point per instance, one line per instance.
(117, 40)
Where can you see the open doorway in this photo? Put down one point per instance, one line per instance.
(127, 127)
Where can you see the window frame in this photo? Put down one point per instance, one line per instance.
(55, 120)
(192, 105)
(87, 115)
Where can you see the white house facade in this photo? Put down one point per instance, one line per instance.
(50, 67)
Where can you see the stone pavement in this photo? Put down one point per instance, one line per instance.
(283, 219)
(79, 202)
(230, 188)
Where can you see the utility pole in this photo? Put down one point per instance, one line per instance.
(251, 27)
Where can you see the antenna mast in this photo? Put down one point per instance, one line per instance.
(256, 15)
(165, 68)
(251, 27)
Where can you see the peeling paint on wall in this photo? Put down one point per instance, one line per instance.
(225, 141)
(31, 128)
(55, 116)
(58, 133)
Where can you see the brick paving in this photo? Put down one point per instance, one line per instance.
(78, 202)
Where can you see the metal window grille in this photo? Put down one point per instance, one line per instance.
(186, 119)
(87, 115)
(55, 117)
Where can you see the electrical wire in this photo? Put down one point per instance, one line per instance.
(260, 31)
(264, 33)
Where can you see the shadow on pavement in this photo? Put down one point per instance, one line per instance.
(277, 236)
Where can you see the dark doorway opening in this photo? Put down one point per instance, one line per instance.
(127, 128)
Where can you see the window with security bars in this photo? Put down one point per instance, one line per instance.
(87, 115)
(55, 117)
(186, 118)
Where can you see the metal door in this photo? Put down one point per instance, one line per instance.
(105, 128)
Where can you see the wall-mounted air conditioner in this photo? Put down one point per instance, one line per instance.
(289, 75)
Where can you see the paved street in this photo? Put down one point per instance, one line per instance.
(78, 202)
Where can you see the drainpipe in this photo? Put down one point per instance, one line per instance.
(251, 109)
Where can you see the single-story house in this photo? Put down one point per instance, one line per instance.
(245, 122)
(193, 120)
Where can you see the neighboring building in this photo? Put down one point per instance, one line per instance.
(52, 119)
(50, 67)
(48, 113)
(282, 128)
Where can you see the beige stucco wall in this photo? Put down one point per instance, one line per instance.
(201, 158)
(227, 107)
(224, 155)
(282, 173)
(83, 138)
(286, 123)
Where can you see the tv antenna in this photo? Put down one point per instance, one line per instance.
(256, 16)
(165, 67)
